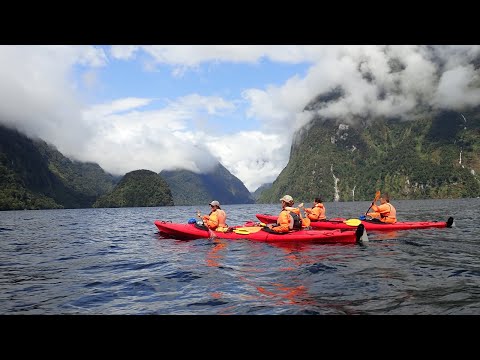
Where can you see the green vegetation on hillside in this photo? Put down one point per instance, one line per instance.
(87, 178)
(411, 159)
(14, 196)
(36, 176)
(256, 194)
(140, 188)
(189, 188)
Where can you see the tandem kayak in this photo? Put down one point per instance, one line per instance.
(195, 231)
(340, 223)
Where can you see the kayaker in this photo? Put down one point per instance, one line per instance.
(288, 219)
(385, 212)
(217, 218)
(317, 212)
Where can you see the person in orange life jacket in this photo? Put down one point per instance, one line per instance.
(317, 212)
(305, 222)
(385, 212)
(288, 218)
(217, 218)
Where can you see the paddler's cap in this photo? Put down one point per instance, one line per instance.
(214, 203)
(287, 199)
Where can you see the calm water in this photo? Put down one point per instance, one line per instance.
(112, 261)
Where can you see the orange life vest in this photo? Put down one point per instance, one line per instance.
(288, 220)
(386, 212)
(216, 220)
(317, 212)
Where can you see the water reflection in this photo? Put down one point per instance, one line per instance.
(215, 254)
(386, 235)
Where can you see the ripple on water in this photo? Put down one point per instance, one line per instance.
(112, 261)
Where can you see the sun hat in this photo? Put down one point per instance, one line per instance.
(287, 199)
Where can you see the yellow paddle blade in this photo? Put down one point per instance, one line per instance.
(377, 195)
(353, 222)
(247, 230)
(241, 231)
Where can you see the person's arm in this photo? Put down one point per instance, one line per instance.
(212, 221)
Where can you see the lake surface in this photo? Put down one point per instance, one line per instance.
(113, 261)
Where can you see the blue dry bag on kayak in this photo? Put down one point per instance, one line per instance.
(192, 221)
(363, 217)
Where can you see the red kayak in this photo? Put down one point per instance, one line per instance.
(195, 231)
(339, 223)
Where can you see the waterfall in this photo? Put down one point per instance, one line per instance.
(336, 195)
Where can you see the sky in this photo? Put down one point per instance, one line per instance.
(191, 106)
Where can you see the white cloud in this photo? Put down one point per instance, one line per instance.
(127, 139)
(116, 106)
(252, 156)
(212, 104)
(90, 79)
(123, 52)
(37, 95)
(458, 88)
(185, 57)
(376, 81)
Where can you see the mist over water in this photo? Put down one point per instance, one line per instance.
(113, 261)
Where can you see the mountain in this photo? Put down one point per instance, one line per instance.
(189, 188)
(35, 175)
(437, 156)
(139, 188)
(15, 196)
(256, 194)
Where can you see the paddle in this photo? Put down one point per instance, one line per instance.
(377, 196)
(247, 230)
(210, 232)
(361, 234)
(352, 222)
